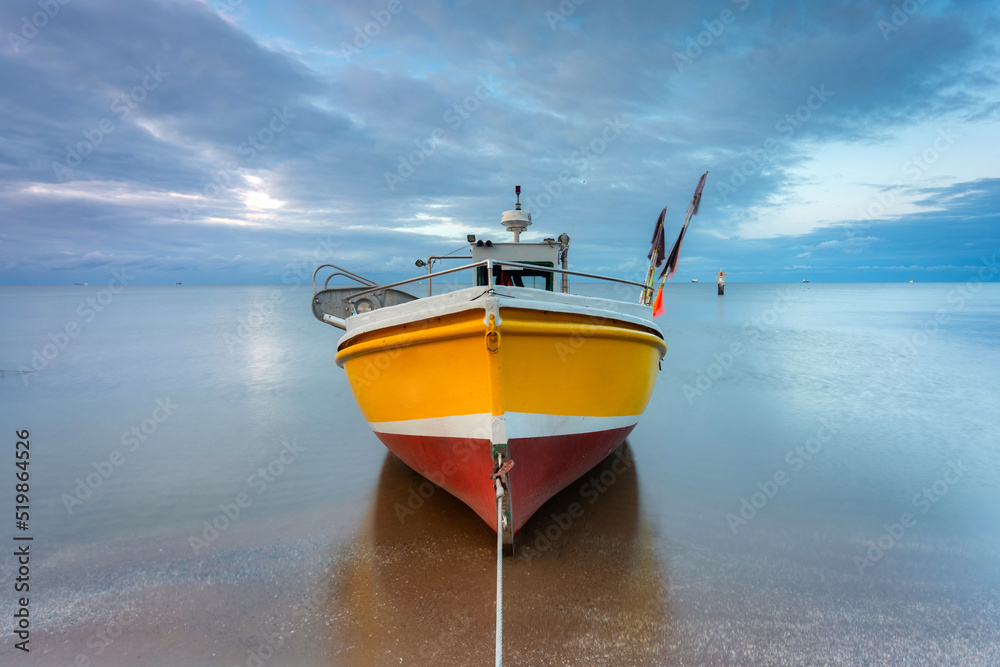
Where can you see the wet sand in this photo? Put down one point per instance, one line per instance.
(419, 588)
(609, 588)
(152, 602)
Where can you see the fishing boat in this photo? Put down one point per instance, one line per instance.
(510, 388)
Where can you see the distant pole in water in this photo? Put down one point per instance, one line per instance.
(722, 282)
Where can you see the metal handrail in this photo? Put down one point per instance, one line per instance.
(326, 283)
(430, 263)
(489, 263)
(419, 278)
(342, 272)
(536, 267)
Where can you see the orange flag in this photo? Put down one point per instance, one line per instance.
(658, 303)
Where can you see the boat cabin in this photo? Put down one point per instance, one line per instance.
(540, 254)
(548, 254)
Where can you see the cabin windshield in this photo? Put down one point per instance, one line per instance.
(518, 277)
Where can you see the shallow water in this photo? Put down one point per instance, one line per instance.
(867, 402)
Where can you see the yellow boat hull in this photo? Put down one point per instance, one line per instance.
(555, 387)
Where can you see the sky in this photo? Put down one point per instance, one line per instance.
(245, 141)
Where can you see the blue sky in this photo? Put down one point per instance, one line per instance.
(227, 141)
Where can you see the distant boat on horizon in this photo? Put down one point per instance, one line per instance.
(694, 280)
(805, 280)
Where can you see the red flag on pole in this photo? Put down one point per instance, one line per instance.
(658, 303)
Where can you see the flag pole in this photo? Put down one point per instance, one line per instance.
(663, 276)
(651, 271)
(671, 265)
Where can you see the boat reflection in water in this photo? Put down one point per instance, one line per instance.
(584, 587)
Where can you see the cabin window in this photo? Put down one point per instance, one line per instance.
(544, 280)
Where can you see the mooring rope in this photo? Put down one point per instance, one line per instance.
(499, 487)
(499, 477)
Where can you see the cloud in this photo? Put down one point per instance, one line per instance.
(851, 245)
(249, 133)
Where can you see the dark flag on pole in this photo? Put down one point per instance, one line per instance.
(658, 241)
(671, 266)
(697, 194)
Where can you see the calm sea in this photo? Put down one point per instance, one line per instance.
(816, 481)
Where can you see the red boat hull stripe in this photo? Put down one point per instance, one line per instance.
(542, 466)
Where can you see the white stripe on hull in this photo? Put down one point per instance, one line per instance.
(515, 424)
